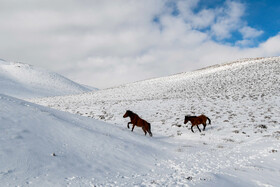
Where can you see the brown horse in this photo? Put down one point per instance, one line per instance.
(136, 120)
(196, 120)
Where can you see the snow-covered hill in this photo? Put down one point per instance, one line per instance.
(26, 81)
(86, 152)
(242, 98)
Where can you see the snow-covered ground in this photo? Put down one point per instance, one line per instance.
(26, 81)
(86, 152)
(240, 148)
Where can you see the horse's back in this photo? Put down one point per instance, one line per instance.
(145, 123)
(202, 117)
(141, 122)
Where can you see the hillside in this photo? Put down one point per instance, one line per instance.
(87, 151)
(241, 98)
(235, 83)
(26, 81)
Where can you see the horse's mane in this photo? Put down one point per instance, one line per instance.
(131, 113)
(188, 116)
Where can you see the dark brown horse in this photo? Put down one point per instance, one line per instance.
(196, 120)
(136, 120)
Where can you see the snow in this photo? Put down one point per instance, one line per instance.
(42, 146)
(240, 148)
(87, 151)
(26, 81)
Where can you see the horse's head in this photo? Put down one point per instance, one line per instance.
(186, 119)
(127, 113)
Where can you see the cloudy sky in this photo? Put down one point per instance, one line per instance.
(105, 43)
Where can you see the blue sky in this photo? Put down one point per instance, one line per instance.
(107, 43)
(262, 15)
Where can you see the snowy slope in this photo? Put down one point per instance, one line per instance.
(242, 99)
(88, 152)
(25, 81)
(237, 79)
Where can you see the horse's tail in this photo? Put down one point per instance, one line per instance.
(150, 132)
(209, 120)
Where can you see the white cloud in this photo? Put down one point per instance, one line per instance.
(200, 20)
(271, 47)
(244, 43)
(228, 19)
(106, 43)
(249, 32)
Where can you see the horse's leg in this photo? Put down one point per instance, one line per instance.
(143, 128)
(128, 124)
(148, 129)
(192, 128)
(150, 133)
(132, 127)
(198, 128)
(204, 125)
